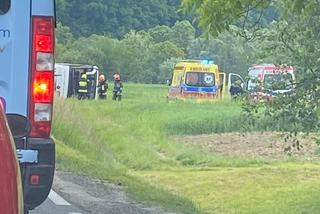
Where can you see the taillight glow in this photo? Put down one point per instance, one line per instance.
(43, 87)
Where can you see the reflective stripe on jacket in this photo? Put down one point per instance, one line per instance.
(83, 85)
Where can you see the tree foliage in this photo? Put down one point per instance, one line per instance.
(218, 16)
(137, 56)
(116, 17)
(149, 56)
(228, 51)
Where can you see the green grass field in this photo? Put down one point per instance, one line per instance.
(130, 142)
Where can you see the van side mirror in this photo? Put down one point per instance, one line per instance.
(168, 82)
(19, 125)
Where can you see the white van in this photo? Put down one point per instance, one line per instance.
(26, 87)
(68, 75)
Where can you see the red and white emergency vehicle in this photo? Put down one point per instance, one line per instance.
(267, 81)
(27, 88)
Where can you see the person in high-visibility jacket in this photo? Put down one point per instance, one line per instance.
(83, 87)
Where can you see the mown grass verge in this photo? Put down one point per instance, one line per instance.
(283, 189)
(129, 142)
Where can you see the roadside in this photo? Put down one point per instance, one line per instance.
(98, 197)
(55, 204)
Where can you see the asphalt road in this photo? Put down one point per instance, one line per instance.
(82, 193)
(55, 204)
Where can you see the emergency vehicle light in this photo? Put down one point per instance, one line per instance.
(207, 62)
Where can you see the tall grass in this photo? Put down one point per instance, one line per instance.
(107, 139)
(135, 133)
(111, 140)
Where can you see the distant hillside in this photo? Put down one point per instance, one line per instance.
(116, 17)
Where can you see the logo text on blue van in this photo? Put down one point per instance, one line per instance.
(5, 33)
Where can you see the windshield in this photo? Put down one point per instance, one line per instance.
(278, 81)
(200, 79)
(4, 6)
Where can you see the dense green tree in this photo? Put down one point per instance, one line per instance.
(137, 57)
(160, 53)
(183, 33)
(63, 34)
(166, 69)
(116, 17)
(137, 50)
(218, 16)
(160, 33)
(228, 51)
(146, 56)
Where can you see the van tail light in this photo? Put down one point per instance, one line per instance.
(42, 76)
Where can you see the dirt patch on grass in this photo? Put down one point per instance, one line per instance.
(267, 145)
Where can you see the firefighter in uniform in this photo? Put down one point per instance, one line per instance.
(83, 87)
(236, 89)
(117, 89)
(102, 87)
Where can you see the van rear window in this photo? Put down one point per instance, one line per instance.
(4, 6)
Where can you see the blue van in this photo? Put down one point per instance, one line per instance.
(27, 88)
